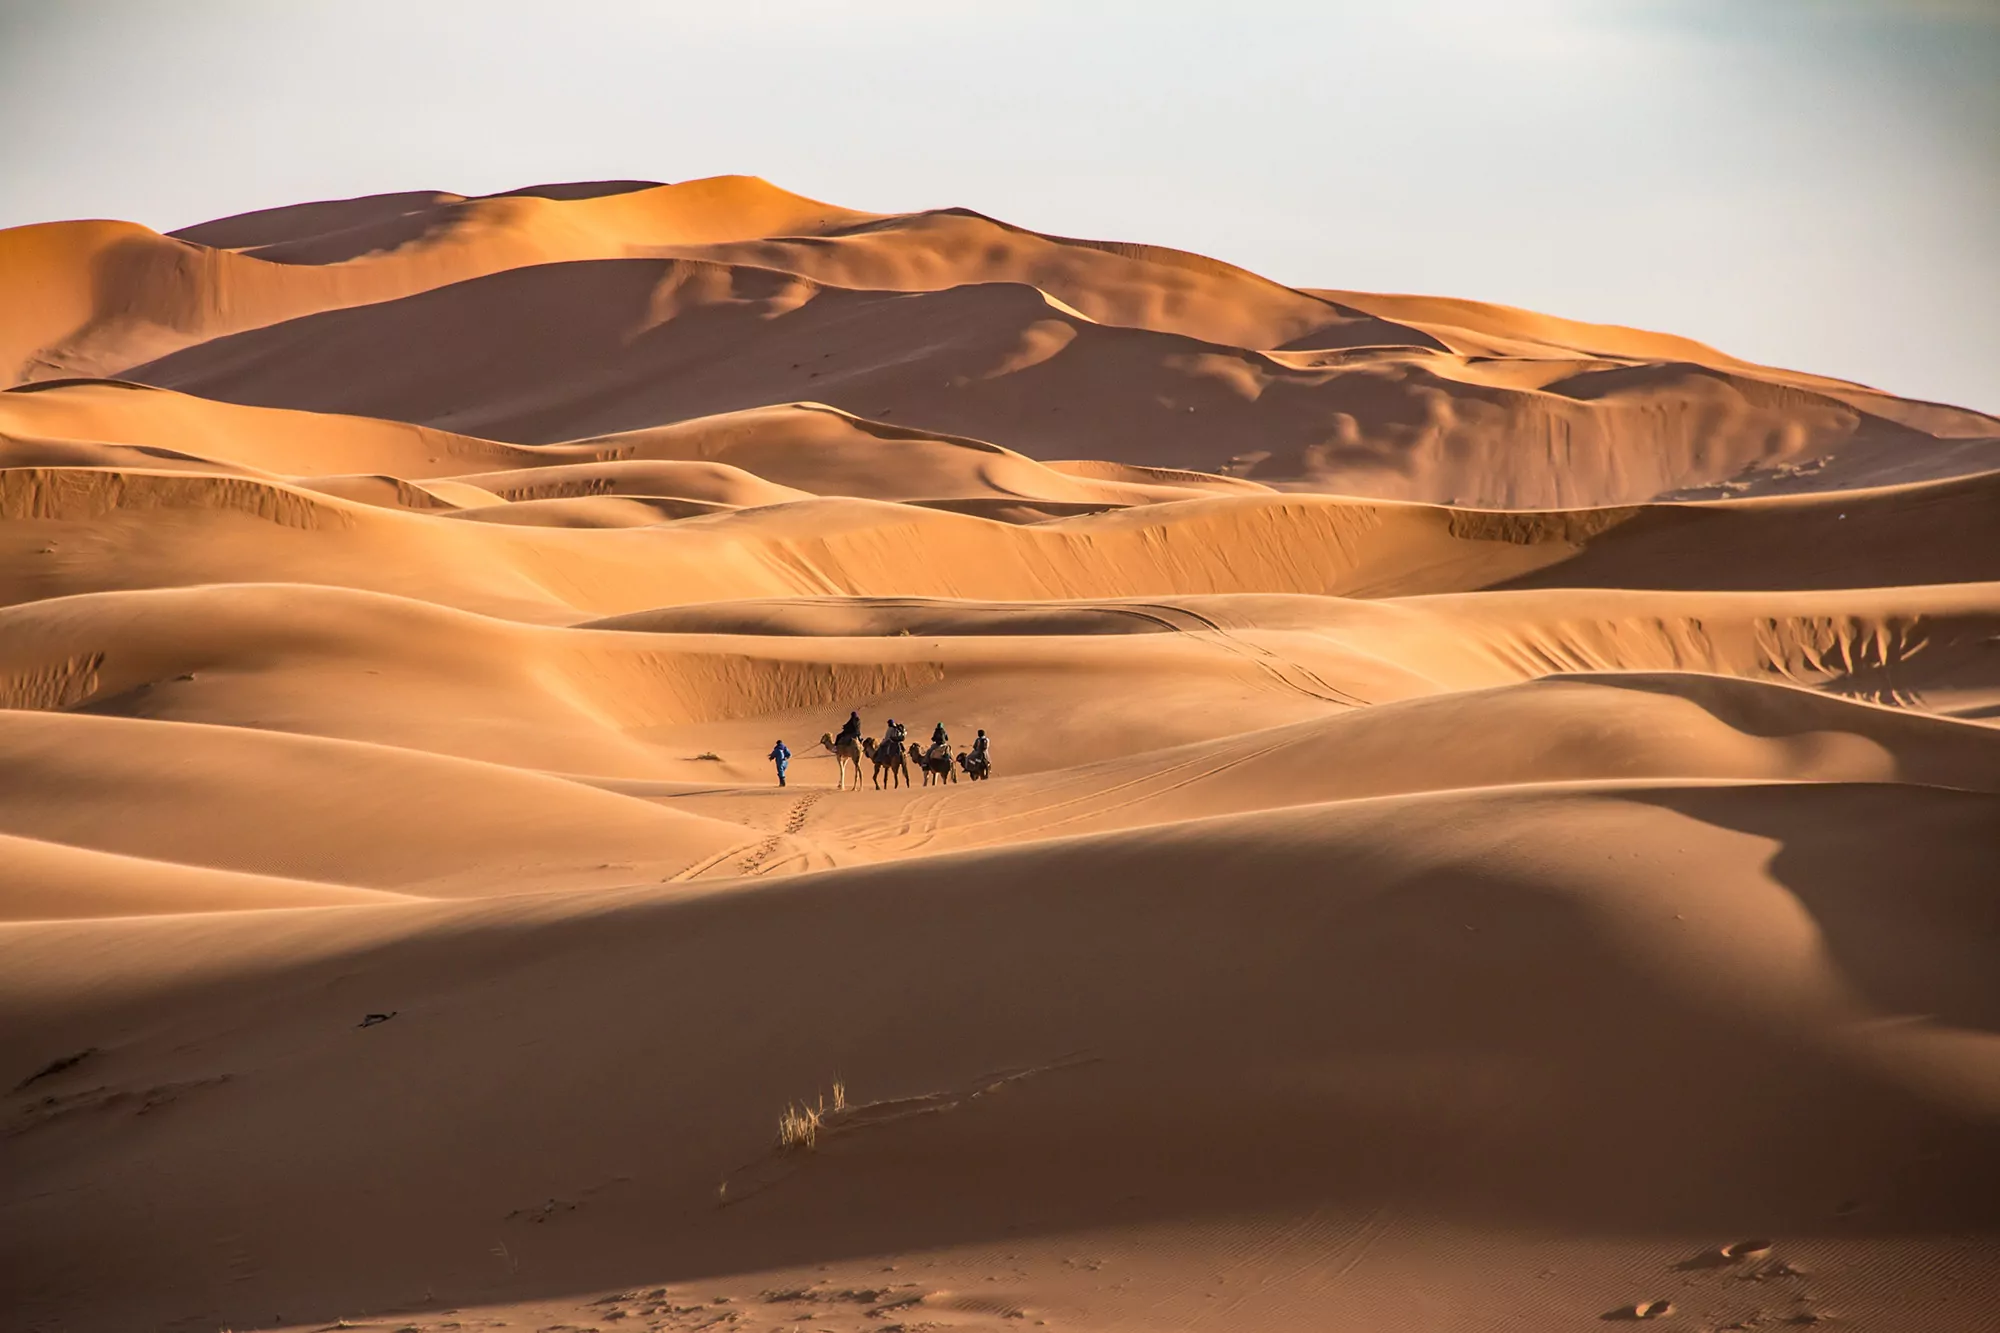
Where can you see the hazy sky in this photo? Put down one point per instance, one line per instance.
(1813, 183)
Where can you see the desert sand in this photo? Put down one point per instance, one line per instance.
(1494, 826)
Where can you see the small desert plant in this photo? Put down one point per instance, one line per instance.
(798, 1128)
(799, 1125)
(710, 755)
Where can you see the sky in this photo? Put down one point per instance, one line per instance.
(1807, 183)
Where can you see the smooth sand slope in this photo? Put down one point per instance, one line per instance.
(1493, 826)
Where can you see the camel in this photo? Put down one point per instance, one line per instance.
(889, 757)
(976, 770)
(845, 753)
(937, 767)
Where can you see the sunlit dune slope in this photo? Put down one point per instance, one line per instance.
(85, 529)
(56, 881)
(157, 424)
(76, 530)
(335, 812)
(802, 447)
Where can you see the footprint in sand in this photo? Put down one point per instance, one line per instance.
(797, 819)
(1642, 1310)
(794, 822)
(1736, 1252)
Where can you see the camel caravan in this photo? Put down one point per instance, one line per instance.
(895, 754)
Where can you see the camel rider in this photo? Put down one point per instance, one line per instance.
(850, 730)
(981, 757)
(895, 734)
(939, 740)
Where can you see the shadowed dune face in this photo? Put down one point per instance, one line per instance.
(1483, 805)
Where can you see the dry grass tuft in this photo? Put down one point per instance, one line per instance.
(800, 1125)
(709, 755)
(798, 1128)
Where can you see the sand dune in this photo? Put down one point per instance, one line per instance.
(95, 529)
(282, 443)
(335, 812)
(1480, 329)
(613, 346)
(1489, 810)
(55, 881)
(639, 695)
(108, 294)
(634, 301)
(1504, 1006)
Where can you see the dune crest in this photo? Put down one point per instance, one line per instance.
(1491, 818)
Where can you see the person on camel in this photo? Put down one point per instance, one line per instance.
(895, 734)
(939, 738)
(850, 730)
(981, 758)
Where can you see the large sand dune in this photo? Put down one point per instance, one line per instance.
(1490, 810)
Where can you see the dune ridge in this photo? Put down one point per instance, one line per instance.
(1491, 823)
